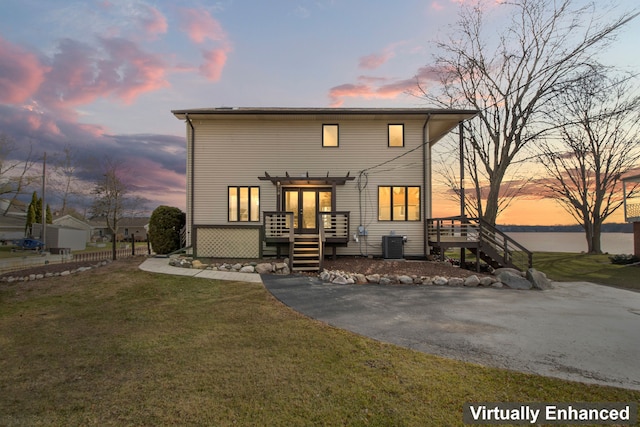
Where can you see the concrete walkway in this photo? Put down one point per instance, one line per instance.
(577, 331)
(161, 265)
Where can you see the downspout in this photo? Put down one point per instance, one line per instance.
(425, 236)
(192, 182)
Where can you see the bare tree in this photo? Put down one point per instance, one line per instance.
(474, 199)
(599, 141)
(109, 203)
(114, 199)
(545, 43)
(64, 179)
(15, 175)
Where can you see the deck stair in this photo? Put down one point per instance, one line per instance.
(482, 239)
(306, 252)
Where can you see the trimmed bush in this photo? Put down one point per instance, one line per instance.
(164, 229)
(624, 259)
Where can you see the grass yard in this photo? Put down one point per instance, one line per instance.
(119, 346)
(584, 267)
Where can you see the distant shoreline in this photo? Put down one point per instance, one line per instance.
(606, 228)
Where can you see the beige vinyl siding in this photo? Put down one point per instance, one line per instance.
(231, 150)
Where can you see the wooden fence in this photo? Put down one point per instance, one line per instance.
(108, 254)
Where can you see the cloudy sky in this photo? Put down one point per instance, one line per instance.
(101, 76)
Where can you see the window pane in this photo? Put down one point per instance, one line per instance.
(255, 204)
(244, 204)
(291, 205)
(413, 204)
(399, 203)
(384, 203)
(309, 209)
(233, 204)
(396, 135)
(329, 135)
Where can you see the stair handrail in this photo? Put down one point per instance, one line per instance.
(292, 239)
(321, 240)
(508, 241)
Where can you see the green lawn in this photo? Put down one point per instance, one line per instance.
(118, 346)
(591, 268)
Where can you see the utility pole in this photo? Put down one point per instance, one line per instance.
(462, 195)
(44, 203)
(462, 201)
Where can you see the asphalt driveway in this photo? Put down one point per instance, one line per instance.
(578, 331)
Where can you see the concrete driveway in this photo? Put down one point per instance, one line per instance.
(578, 331)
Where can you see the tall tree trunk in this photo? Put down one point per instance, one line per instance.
(491, 208)
(596, 243)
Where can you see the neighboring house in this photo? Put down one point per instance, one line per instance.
(61, 237)
(11, 228)
(13, 220)
(632, 208)
(137, 227)
(69, 221)
(358, 180)
(126, 228)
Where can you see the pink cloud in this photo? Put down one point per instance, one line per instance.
(201, 26)
(137, 72)
(381, 88)
(154, 22)
(21, 73)
(81, 73)
(374, 60)
(435, 5)
(214, 61)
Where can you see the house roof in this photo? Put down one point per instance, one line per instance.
(441, 121)
(71, 219)
(319, 111)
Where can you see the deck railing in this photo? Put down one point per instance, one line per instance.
(452, 229)
(478, 233)
(278, 225)
(334, 225)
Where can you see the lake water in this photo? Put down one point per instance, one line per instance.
(613, 243)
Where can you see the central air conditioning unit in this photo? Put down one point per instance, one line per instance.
(392, 247)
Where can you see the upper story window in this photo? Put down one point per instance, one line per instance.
(398, 203)
(330, 136)
(244, 204)
(396, 135)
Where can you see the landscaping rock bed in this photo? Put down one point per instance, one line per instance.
(363, 270)
(51, 270)
(236, 266)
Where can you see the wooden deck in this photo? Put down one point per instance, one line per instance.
(479, 237)
(306, 250)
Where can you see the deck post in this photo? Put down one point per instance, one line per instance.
(636, 239)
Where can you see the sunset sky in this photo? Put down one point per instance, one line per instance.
(102, 75)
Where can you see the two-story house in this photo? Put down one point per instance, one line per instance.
(311, 181)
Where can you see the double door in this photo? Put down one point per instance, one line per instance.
(306, 203)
